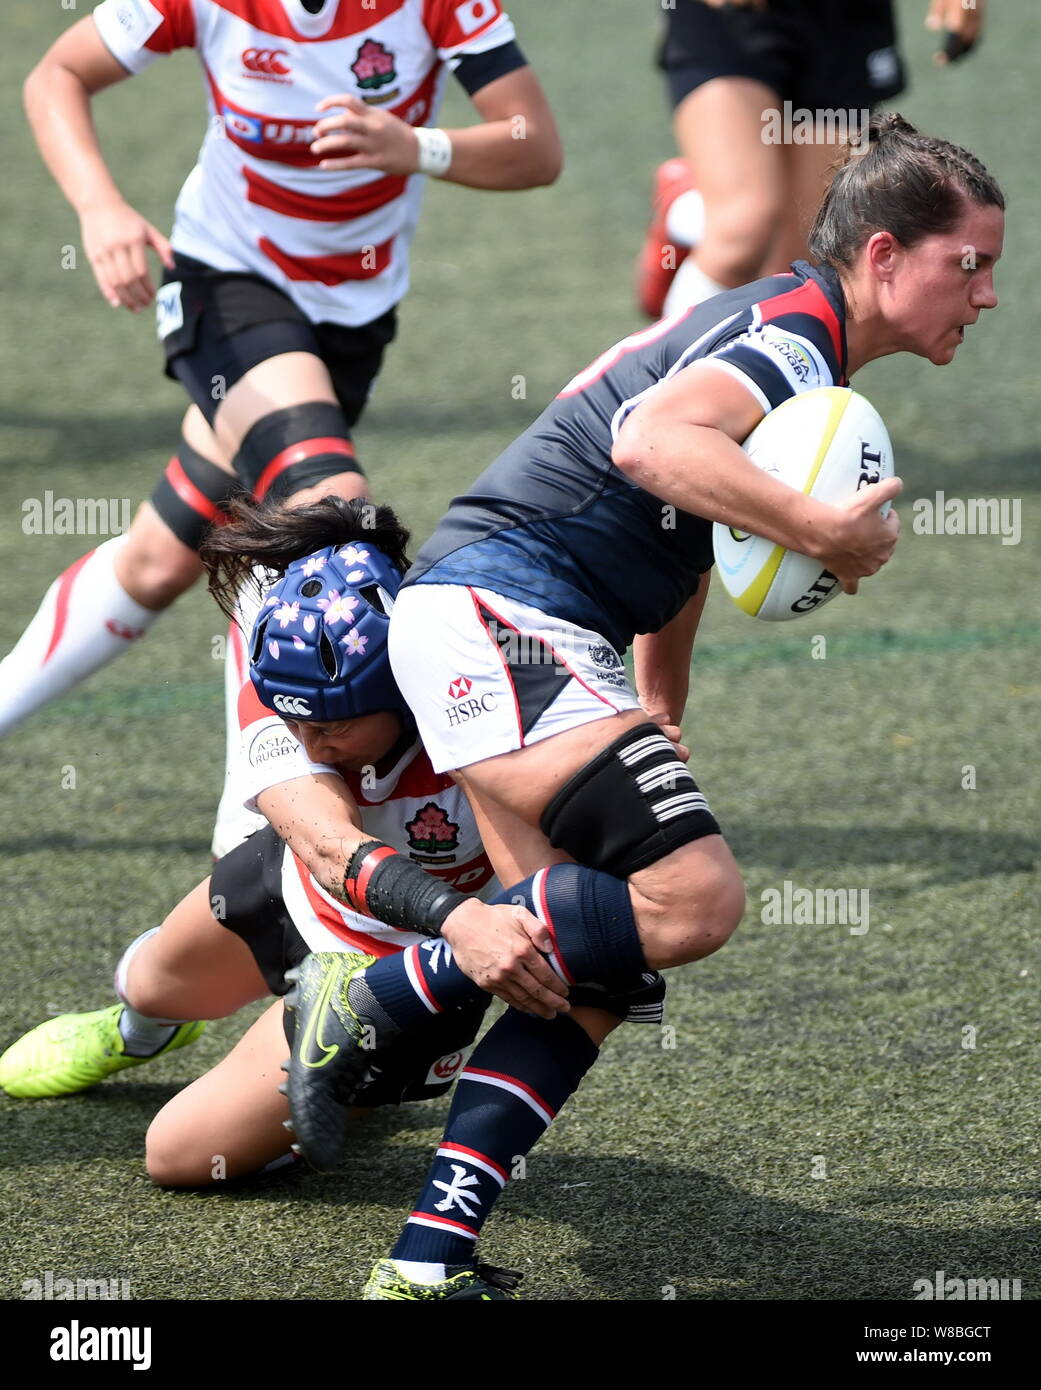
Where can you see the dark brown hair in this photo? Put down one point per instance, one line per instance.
(271, 535)
(908, 184)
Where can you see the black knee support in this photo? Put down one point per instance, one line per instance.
(191, 494)
(633, 804)
(292, 449)
(644, 1002)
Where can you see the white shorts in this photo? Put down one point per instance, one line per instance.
(485, 674)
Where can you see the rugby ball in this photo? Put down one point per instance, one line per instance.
(826, 443)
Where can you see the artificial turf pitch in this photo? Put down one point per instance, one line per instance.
(832, 1115)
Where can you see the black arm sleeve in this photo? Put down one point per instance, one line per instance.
(476, 70)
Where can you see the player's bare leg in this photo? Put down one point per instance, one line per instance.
(110, 597)
(686, 904)
(719, 130)
(230, 1122)
(807, 171)
(282, 382)
(192, 967)
(167, 980)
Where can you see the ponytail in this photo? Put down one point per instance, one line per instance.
(272, 535)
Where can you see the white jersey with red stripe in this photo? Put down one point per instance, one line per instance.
(422, 814)
(335, 241)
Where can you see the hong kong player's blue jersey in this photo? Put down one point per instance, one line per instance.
(555, 524)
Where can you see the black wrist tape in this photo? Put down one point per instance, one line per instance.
(389, 887)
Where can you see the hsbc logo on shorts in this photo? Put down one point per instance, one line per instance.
(293, 705)
(466, 706)
(267, 63)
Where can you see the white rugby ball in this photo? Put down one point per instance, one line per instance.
(826, 443)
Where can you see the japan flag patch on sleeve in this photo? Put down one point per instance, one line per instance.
(473, 13)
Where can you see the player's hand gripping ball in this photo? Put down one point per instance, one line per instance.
(827, 443)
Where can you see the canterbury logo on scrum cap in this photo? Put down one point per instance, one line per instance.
(292, 704)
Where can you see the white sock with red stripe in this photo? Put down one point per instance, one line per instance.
(234, 823)
(86, 620)
(521, 1073)
(690, 286)
(685, 219)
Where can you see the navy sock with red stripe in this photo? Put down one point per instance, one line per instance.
(522, 1072)
(587, 912)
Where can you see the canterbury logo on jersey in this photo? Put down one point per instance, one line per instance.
(266, 60)
(292, 704)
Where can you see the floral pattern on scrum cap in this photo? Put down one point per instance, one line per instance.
(338, 608)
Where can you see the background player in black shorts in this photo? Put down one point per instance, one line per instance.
(288, 253)
(742, 202)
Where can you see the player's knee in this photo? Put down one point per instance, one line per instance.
(690, 910)
(742, 229)
(171, 1159)
(297, 449)
(153, 567)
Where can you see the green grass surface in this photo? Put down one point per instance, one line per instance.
(687, 1167)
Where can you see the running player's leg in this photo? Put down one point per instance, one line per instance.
(520, 1075)
(685, 904)
(111, 596)
(230, 1122)
(651, 882)
(719, 130)
(807, 169)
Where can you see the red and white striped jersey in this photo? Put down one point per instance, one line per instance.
(422, 814)
(335, 242)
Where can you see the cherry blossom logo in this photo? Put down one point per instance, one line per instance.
(288, 613)
(432, 832)
(355, 643)
(338, 608)
(374, 65)
(313, 564)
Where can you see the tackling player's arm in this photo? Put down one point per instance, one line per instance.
(319, 819)
(682, 444)
(57, 96)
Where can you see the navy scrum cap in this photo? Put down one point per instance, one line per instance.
(319, 644)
